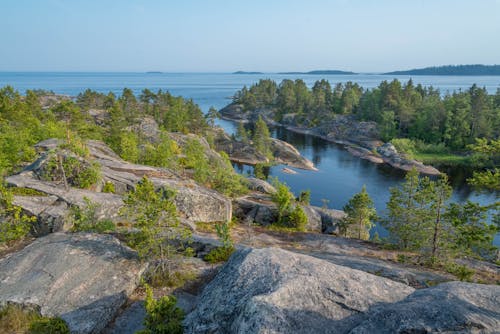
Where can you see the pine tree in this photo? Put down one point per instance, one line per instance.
(442, 192)
(212, 115)
(360, 212)
(262, 138)
(155, 216)
(241, 133)
(409, 216)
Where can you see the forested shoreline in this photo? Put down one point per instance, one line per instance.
(420, 121)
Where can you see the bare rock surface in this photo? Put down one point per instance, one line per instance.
(453, 307)
(260, 186)
(84, 278)
(245, 153)
(275, 291)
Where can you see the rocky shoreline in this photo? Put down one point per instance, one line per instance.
(359, 138)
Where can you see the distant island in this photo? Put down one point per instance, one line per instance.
(323, 72)
(452, 70)
(153, 72)
(245, 72)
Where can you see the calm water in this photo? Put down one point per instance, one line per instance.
(340, 175)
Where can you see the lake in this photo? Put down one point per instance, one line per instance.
(340, 175)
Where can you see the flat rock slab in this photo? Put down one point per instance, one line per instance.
(84, 278)
(276, 291)
(453, 307)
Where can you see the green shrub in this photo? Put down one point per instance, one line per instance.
(49, 326)
(14, 224)
(77, 146)
(405, 145)
(219, 254)
(463, 273)
(76, 172)
(297, 219)
(85, 219)
(109, 187)
(162, 316)
(304, 197)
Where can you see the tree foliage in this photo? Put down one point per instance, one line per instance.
(155, 216)
(401, 110)
(360, 213)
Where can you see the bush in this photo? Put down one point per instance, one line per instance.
(14, 319)
(49, 326)
(109, 187)
(14, 224)
(304, 197)
(85, 219)
(162, 316)
(219, 254)
(297, 219)
(463, 273)
(76, 172)
(405, 145)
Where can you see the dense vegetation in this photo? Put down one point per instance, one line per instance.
(452, 121)
(421, 218)
(25, 120)
(452, 70)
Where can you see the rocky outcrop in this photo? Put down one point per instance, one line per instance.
(258, 208)
(276, 291)
(260, 186)
(84, 278)
(245, 153)
(261, 210)
(52, 210)
(391, 156)
(287, 154)
(453, 307)
(194, 202)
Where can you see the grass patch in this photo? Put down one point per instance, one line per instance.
(26, 192)
(15, 319)
(442, 158)
(205, 227)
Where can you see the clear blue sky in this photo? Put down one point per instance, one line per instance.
(252, 35)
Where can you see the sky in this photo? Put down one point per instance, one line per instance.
(250, 35)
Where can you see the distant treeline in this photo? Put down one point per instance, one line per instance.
(401, 110)
(452, 70)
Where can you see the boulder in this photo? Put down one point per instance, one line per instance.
(256, 207)
(287, 154)
(84, 278)
(314, 222)
(330, 219)
(453, 307)
(147, 128)
(276, 291)
(51, 212)
(260, 186)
